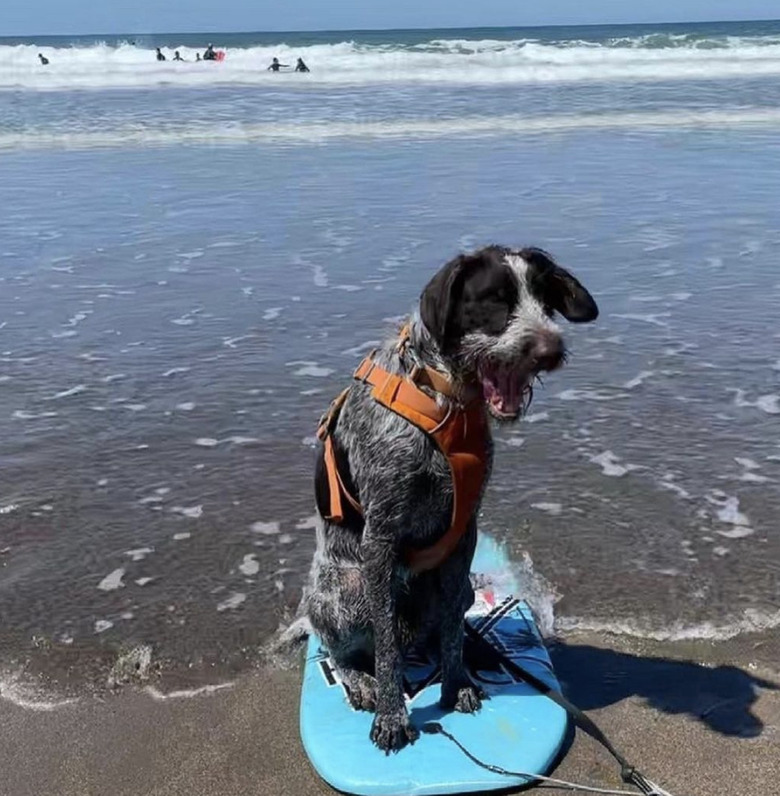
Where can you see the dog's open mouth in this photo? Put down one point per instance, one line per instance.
(508, 391)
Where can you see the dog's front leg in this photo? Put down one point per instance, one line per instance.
(391, 729)
(457, 596)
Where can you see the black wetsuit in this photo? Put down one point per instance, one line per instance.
(160, 56)
(44, 60)
(301, 66)
(210, 55)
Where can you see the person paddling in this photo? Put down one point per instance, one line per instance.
(44, 60)
(160, 56)
(276, 66)
(301, 66)
(177, 56)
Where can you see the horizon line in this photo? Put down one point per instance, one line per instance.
(385, 30)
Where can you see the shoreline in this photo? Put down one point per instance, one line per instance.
(688, 723)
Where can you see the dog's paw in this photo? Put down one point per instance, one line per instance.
(361, 691)
(466, 699)
(392, 731)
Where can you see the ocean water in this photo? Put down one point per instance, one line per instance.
(193, 257)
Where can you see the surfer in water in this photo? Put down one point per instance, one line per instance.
(210, 55)
(43, 59)
(197, 57)
(177, 56)
(160, 56)
(276, 66)
(301, 66)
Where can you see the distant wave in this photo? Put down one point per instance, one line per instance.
(308, 132)
(651, 57)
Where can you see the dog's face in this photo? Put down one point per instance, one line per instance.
(491, 315)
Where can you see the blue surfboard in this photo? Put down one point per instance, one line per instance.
(518, 728)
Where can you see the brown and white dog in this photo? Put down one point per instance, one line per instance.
(485, 322)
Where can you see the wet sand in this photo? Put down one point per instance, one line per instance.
(697, 728)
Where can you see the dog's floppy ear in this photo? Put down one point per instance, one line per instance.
(558, 288)
(439, 297)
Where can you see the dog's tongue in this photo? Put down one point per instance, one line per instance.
(502, 390)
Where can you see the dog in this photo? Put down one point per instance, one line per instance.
(485, 323)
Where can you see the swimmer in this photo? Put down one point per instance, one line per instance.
(160, 56)
(43, 59)
(301, 66)
(276, 66)
(210, 55)
(177, 57)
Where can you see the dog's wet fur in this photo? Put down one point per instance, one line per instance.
(486, 321)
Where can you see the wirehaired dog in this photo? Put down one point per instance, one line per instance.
(485, 323)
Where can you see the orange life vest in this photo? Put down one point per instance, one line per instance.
(460, 433)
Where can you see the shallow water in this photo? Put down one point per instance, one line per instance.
(174, 319)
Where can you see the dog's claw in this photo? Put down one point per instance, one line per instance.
(392, 731)
(467, 699)
(361, 691)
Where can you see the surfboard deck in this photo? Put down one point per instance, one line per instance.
(518, 728)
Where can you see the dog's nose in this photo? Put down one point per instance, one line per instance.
(548, 351)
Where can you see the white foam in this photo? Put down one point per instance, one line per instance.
(588, 395)
(766, 403)
(21, 414)
(249, 565)
(28, 697)
(79, 388)
(549, 508)
(307, 133)
(180, 537)
(272, 313)
(101, 625)
(207, 442)
(265, 528)
(749, 621)
(610, 466)
(312, 369)
(139, 554)
(187, 693)
(186, 406)
(307, 523)
(143, 581)
(536, 417)
(454, 61)
(113, 580)
(655, 319)
(232, 602)
(193, 512)
(638, 380)
(174, 371)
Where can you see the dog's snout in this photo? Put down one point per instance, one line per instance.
(547, 351)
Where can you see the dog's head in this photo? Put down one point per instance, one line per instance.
(490, 315)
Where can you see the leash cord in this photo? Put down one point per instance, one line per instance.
(629, 774)
(434, 728)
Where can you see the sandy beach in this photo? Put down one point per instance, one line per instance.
(699, 728)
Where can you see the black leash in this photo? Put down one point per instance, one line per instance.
(629, 774)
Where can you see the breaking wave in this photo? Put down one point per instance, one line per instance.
(232, 134)
(652, 57)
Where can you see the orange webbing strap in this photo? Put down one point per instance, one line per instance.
(460, 436)
(336, 486)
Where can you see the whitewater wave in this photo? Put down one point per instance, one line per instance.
(751, 621)
(200, 134)
(654, 57)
